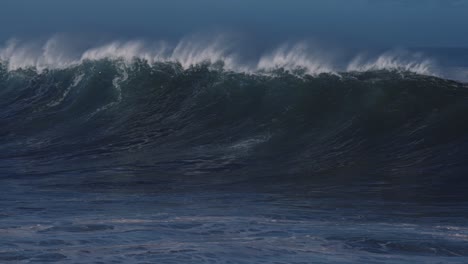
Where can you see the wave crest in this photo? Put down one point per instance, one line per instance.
(400, 60)
(295, 57)
(57, 53)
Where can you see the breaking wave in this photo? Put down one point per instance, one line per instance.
(109, 114)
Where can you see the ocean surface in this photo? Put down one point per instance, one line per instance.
(118, 158)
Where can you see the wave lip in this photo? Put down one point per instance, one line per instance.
(295, 57)
(55, 54)
(402, 61)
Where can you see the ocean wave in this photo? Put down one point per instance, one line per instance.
(208, 120)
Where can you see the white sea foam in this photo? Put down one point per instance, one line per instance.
(54, 53)
(195, 51)
(116, 83)
(127, 51)
(393, 60)
(297, 56)
(51, 54)
(75, 83)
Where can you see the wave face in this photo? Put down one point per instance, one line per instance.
(107, 115)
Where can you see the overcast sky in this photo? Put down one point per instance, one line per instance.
(385, 23)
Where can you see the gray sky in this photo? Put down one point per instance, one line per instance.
(378, 23)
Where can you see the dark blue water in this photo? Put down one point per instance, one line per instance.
(110, 162)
